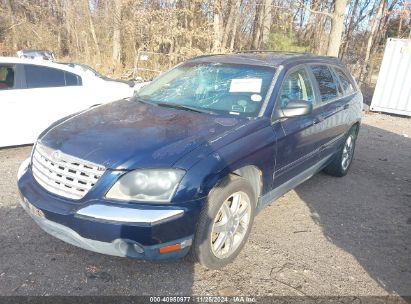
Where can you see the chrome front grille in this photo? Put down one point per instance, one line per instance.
(63, 174)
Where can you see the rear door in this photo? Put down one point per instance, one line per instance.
(331, 111)
(297, 143)
(51, 95)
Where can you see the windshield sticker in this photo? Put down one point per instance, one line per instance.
(256, 97)
(246, 85)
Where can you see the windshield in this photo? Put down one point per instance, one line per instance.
(85, 68)
(211, 87)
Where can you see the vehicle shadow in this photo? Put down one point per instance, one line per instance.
(368, 212)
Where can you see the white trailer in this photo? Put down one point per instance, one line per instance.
(393, 91)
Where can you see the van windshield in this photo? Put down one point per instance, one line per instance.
(212, 87)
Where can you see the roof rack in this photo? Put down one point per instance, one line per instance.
(206, 55)
(273, 51)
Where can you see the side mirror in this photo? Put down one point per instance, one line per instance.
(296, 108)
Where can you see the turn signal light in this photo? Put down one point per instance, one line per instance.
(170, 248)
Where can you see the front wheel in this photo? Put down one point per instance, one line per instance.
(343, 159)
(225, 223)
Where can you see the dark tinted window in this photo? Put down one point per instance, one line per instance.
(328, 88)
(297, 86)
(72, 79)
(347, 85)
(6, 77)
(44, 77)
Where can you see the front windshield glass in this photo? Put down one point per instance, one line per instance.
(212, 87)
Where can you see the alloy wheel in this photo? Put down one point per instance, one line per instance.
(230, 225)
(347, 152)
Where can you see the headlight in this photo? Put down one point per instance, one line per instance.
(147, 185)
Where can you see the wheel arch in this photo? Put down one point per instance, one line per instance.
(253, 175)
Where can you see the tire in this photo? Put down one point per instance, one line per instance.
(342, 160)
(215, 217)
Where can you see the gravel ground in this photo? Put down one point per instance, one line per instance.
(330, 236)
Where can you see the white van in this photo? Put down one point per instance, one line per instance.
(34, 93)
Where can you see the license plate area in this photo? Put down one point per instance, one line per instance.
(32, 209)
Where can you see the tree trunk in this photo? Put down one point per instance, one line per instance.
(258, 21)
(374, 26)
(117, 32)
(337, 27)
(217, 29)
(350, 29)
(235, 24)
(12, 24)
(230, 20)
(266, 22)
(93, 31)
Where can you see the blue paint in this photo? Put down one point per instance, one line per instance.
(128, 134)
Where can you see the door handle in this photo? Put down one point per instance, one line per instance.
(346, 106)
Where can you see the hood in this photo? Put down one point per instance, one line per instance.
(128, 134)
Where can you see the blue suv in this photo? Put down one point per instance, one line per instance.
(185, 165)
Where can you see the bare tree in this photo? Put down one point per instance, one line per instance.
(117, 32)
(217, 28)
(12, 22)
(373, 28)
(111, 34)
(92, 29)
(337, 27)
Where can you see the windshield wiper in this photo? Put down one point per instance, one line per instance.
(182, 107)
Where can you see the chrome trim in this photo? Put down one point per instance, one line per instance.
(129, 215)
(23, 168)
(282, 189)
(64, 174)
(118, 247)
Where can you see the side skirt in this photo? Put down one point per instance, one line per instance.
(276, 193)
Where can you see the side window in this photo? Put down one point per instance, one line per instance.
(347, 85)
(72, 79)
(45, 77)
(7, 79)
(326, 83)
(296, 86)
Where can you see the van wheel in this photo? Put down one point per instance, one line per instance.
(225, 223)
(343, 158)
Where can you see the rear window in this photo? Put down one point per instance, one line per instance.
(346, 83)
(44, 77)
(6, 77)
(326, 83)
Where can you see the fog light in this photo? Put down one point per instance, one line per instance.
(129, 248)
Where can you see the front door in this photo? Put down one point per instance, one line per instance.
(15, 110)
(297, 145)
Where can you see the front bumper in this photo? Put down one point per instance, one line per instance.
(113, 228)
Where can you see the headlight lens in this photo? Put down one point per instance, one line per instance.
(147, 185)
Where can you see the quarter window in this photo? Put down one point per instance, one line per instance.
(44, 77)
(345, 81)
(7, 77)
(297, 86)
(326, 83)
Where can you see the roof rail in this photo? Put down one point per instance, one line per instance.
(273, 51)
(205, 55)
